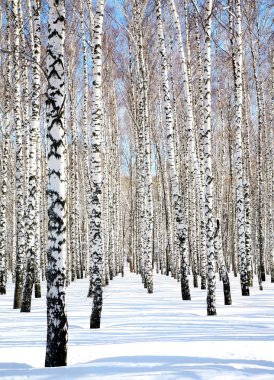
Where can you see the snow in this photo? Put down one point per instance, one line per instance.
(145, 336)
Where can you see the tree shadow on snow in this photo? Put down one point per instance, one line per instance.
(151, 367)
(12, 369)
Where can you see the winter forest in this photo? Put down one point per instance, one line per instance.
(136, 189)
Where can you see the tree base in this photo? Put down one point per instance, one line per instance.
(37, 290)
(95, 317)
(49, 365)
(245, 292)
(263, 277)
(211, 312)
(17, 300)
(226, 289)
(228, 300)
(26, 305)
(150, 289)
(94, 325)
(203, 282)
(25, 309)
(186, 298)
(185, 288)
(58, 360)
(2, 290)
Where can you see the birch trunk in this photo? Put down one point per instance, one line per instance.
(20, 222)
(3, 220)
(211, 302)
(189, 128)
(145, 178)
(247, 194)
(96, 253)
(222, 264)
(240, 209)
(4, 171)
(85, 121)
(260, 169)
(56, 351)
(203, 262)
(271, 181)
(33, 196)
(176, 195)
(38, 212)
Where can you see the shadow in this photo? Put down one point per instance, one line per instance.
(13, 366)
(151, 367)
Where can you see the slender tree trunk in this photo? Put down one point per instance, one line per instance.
(38, 249)
(203, 261)
(145, 177)
(247, 193)
(176, 195)
(33, 197)
(20, 222)
(56, 352)
(211, 285)
(271, 181)
(85, 131)
(240, 209)
(96, 253)
(190, 131)
(260, 169)
(5, 152)
(222, 265)
(3, 220)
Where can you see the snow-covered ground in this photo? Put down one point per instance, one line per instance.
(146, 336)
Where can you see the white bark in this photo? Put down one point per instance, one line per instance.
(20, 222)
(56, 352)
(96, 253)
(192, 154)
(145, 177)
(240, 209)
(3, 220)
(211, 302)
(203, 263)
(176, 194)
(33, 196)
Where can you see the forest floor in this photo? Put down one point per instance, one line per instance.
(145, 336)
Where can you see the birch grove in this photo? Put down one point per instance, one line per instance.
(134, 136)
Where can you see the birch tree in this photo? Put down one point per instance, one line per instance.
(20, 212)
(240, 209)
(211, 302)
(56, 352)
(96, 254)
(3, 217)
(4, 171)
(177, 198)
(33, 196)
(144, 152)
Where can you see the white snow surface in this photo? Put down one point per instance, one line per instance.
(145, 336)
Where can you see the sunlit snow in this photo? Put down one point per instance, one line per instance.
(145, 336)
